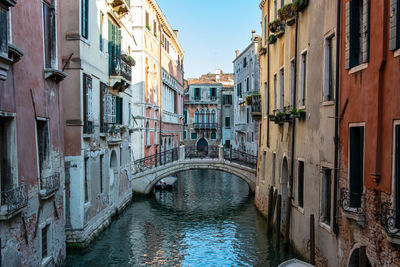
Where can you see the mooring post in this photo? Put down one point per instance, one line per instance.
(312, 240)
(230, 154)
(182, 153)
(278, 221)
(270, 209)
(287, 223)
(221, 152)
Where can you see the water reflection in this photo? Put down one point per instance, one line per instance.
(210, 220)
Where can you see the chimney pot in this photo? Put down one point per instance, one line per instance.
(237, 53)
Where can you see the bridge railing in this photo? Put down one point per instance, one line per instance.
(240, 157)
(191, 152)
(155, 160)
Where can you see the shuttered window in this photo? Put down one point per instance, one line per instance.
(357, 33)
(101, 44)
(394, 24)
(356, 165)
(3, 32)
(85, 19)
(275, 93)
(49, 35)
(397, 175)
(87, 105)
(118, 110)
(328, 70)
(6, 161)
(300, 184)
(103, 92)
(114, 48)
(213, 93)
(282, 89)
(303, 79)
(227, 122)
(292, 84)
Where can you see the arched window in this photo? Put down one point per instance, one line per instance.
(155, 134)
(203, 116)
(197, 116)
(147, 134)
(207, 116)
(213, 114)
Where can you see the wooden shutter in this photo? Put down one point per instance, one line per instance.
(394, 25)
(210, 93)
(108, 109)
(365, 31)
(327, 72)
(356, 165)
(147, 19)
(347, 41)
(89, 98)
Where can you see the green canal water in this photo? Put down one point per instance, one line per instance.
(209, 220)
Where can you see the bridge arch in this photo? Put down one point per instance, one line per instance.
(144, 182)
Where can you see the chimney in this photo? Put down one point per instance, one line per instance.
(237, 53)
(218, 71)
(176, 32)
(253, 35)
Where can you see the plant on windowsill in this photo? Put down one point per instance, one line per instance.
(130, 131)
(272, 117)
(155, 35)
(248, 100)
(272, 39)
(280, 118)
(299, 5)
(148, 27)
(281, 31)
(288, 14)
(297, 113)
(274, 25)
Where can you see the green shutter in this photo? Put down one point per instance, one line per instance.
(365, 29)
(210, 93)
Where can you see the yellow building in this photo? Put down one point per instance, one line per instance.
(297, 67)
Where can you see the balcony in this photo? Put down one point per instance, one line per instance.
(120, 73)
(197, 98)
(120, 7)
(352, 205)
(256, 107)
(12, 201)
(205, 126)
(49, 185)
(390, 220)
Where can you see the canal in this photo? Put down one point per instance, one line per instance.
(209, 220)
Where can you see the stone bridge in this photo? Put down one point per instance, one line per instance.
(237, 163)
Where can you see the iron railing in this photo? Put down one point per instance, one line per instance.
(193, 152)
(15, 198)
(240, 157)
(119, 67)
(49, 184)
(256, 107)
(155, 160)
(204, 125)
(351, 202)
(88, 127)
(390, 219)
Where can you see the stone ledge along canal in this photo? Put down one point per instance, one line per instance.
(209, 220)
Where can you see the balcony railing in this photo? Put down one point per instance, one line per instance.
(192, 152)
(88, 127)
(49, 184)
(256, 107)
(15, 198)
(351, 202)
(155, 160)
(206, 126)
(390, 219)
(240, 157)
(120, 67)
(197, 98)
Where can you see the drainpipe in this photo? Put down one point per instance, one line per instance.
(268, 80)
(294, 106)
(160, 138)
(337, 120)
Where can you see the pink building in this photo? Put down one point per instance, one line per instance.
(31, 136)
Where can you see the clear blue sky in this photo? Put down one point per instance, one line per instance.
(211, 30)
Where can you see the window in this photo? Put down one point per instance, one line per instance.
(197, 93)
(119, 110)
(252, 136)
(227, 122)
(85, 19)
(7, 153)
(326, 196)
(213, 114)
(44, 241)
(193, 136)
(394, 42)
(49, 34)
(303, 75)
(87, 105)
(356, 165)
(213, 135)
(101, 31)
(114, 48)
(239, 90)
(248, 115)
(3, 32)
(300, 184)
(101, 173)
(227, 99)
(292, 83)
(265, 29)
(275, 93)
(266, 97)
(329, 70)
(247, 84)
(147, 20)
(357, 32)
(282, 89)
(147, 134)
(155, 134)
(213, 93)
(397, 174)
(42, 131)
(185, 116)
(275, 10)
(273, 167)
(263, 165)
(197, 117)
(184, 135)
(103, 92)
(86, 173)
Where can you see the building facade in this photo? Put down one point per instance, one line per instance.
(97, 55)
(369, 131)
(247, 73)
(157, 83)
(31, 134)
(228, 117)
(203, 111)
(296, 158)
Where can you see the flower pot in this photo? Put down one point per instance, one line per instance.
(274, 25)
(272, 39)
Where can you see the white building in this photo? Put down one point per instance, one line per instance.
(246, 71)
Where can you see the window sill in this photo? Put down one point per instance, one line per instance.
(397, 53)
(299, 209)
(359, 218)
(394, 239)
(87, 136)
(325, 227)
(46, 261)
(54, 74)
(14, 53)
(328, 103)
(358, 68)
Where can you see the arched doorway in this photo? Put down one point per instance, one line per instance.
(284, 190)
(202, 146)
(355, 259)
(113, 167)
